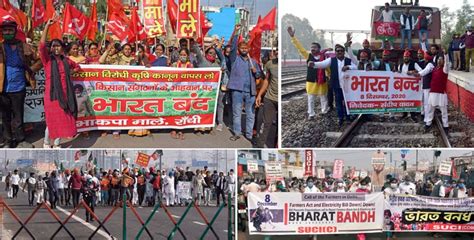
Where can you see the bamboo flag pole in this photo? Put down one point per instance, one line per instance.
(105, 27)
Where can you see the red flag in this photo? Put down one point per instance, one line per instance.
(37, 13)
(172, 9)
(205, 27)
(75, 22)
(20, 35)
(114, 6)
(54, 31)
(455, 172)
(118, 27)
(268, 22)
(20, 17)
(137, 27)
(255, 42)
(92, 28)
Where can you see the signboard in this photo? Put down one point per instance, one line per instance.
(273, 172)
(378, 159)
(183, 190)
(338, 169)
(142, 159)
(135, 97)
(445, 167)
(24, 162)
(419, 176)
(430, 214)
(308, 163)
(321, 173)
(153, 18)
(34, 102)
(252, 166)
(318, 213)
(368, 92)
(188, 23)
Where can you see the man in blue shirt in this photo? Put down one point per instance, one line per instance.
(14, 73)
(242, 85)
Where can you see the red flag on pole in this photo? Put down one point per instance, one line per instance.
(137, 27)
(172, 9)
(455, 172)
(37, 13)
(255, 42)
(75, 22)
(54, 31)
(268, 22)
(92, 29)
(118, 27)
(20, 35)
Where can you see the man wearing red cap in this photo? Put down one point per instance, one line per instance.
(15, 73)
(408, 66)
(437, 95)
(385, 64)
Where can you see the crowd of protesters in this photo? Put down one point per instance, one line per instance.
(142, 187)
(326, 67)
(63, 102)
(433, 186)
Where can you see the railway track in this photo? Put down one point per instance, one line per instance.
(293, 81)
(353, 132)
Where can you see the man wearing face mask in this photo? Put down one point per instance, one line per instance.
(15, 73)
(339, 186)
(468, 39)
(459, 190)
(438, 188)
(310, 188)
(242, 86)
(393, 189)
(407, 187)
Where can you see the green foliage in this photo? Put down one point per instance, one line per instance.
(455, 22)
(304, 32)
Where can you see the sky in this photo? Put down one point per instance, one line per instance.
(363, 158)
(262, 6)
(355, 14)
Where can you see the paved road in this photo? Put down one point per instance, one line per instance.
(158, 138)
(43, 224)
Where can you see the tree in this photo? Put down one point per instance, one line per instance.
(455, 22)
(304, 33)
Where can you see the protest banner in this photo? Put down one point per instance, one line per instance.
(273, 172)
(445, 167)
(183, 190)
(309, 163)
(153, 18)
(142, 159)
(429, 214)
(338, 169)
(316, 213)
(135, 97)
(252, 166)
(188, 24)
(368, 92)
(321, 173)
(34, 102)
